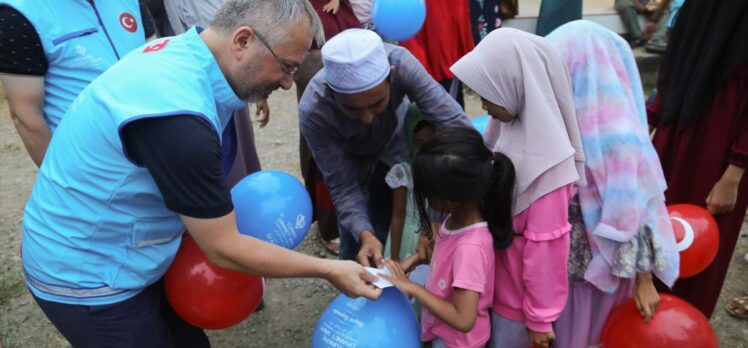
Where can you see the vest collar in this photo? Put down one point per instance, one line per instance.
(222, 91)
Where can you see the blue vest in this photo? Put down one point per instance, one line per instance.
(95, 229)
(81, 40)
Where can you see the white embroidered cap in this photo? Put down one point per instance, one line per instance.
(355, 61)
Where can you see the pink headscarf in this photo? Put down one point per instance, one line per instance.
(525, 74)
(626, 189)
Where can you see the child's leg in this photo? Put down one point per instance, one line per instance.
(507, 333)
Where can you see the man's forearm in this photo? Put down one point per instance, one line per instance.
(34, 134)
(226, 248)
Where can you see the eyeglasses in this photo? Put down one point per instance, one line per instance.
(288, 70)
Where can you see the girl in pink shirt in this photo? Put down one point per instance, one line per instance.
(525, 87)
(455, 173)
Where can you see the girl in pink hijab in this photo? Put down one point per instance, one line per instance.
(525, 87)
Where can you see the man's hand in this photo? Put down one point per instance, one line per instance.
(353, 280)
(225, 247)
(370, 254)
(262, 115)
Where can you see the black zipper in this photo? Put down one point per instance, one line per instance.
(101, 23)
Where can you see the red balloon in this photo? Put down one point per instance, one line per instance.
(208, 296)
(675, 324)
(697, 235)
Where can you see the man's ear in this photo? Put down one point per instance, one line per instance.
(241, 40)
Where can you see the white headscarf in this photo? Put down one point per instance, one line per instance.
(524, 74)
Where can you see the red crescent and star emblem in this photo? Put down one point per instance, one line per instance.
(156, 47)
(128, 22)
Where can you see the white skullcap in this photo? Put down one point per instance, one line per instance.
(355, 61)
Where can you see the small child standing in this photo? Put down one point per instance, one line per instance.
(455, 173)
(404, 227)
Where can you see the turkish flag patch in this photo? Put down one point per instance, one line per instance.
(127, 20)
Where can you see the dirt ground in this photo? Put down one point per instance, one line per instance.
(291, 306)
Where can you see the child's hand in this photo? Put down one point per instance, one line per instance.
(542, 339)
(332, 6)
(410, 262)
(646, 296)
(425, 248)
(398, 277)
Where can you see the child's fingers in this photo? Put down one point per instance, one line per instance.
(410, 263)
(394, 268)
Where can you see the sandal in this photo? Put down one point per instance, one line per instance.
(738, 307)
(333, 246)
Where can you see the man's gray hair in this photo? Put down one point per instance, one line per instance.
(272, 18)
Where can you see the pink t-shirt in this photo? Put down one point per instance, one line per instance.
(464, 259)
(531, 283)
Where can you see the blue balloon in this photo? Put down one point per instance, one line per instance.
(272, 206)
(387, 322)
(480, 123)
(398, 19)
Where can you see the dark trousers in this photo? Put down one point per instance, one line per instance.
(146, 320)
(380, 213)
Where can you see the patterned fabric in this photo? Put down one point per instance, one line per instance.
(399, 176)
(485, 17)
(580, 254)
(625, 189)
(639, 255)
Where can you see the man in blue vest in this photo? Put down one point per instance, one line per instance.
(51, 50)
(137, 158)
